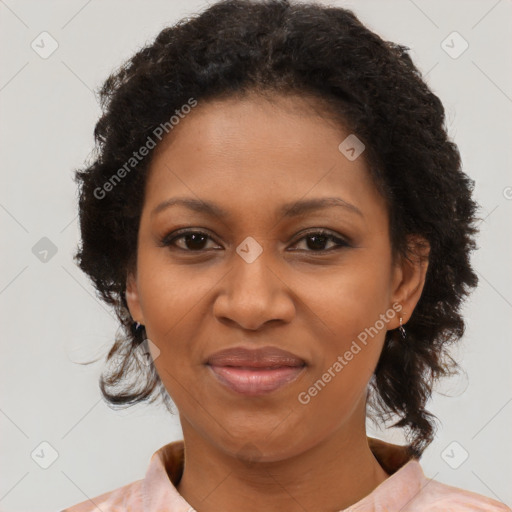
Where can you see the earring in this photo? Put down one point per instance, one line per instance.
(402, 329)
(138, 326)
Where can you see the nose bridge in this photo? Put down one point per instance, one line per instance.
(251, 268)
(253, 292)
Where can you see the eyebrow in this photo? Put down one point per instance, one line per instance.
(287, 210)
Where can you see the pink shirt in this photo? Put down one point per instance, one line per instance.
(406, 490)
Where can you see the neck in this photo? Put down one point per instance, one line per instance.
(331, 475)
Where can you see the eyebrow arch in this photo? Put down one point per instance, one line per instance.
(288, 210)
(299, 207)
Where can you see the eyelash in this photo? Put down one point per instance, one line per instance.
(168, 240)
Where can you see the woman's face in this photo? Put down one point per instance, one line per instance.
(258, 277)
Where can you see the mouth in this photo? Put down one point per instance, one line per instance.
(253, 372)
(255, 381)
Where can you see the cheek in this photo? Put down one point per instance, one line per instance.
(350, 305)
(349, 297)
(338, 383)
(169, 292)
(170, 298)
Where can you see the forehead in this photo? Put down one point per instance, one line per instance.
(254, 152)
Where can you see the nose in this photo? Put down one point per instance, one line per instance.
(253, 294)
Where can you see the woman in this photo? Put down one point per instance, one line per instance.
(284, 229)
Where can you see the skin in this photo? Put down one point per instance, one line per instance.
(250, 156)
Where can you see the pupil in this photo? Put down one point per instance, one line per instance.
(195, 240)
(318, 241)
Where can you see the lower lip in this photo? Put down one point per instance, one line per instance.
(254, 382)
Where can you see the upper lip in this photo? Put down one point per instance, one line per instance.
(257, 358)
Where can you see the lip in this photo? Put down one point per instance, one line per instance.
(254, 372)
(254, 358)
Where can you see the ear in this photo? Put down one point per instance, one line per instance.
(409, 278)
(132, 298)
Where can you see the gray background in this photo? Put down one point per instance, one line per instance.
(51, 319)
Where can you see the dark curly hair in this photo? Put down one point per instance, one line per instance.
(368, 85)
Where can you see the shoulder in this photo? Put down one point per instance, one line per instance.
(438, 497)
(128, 497)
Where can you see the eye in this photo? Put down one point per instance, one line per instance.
(196, 241)
(316, 241)
(192, 241)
